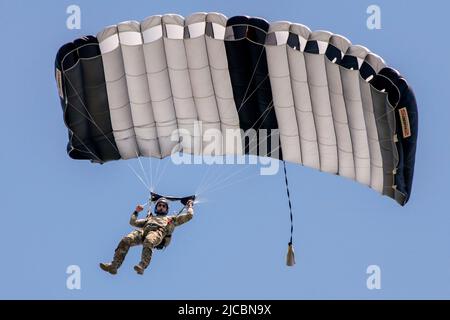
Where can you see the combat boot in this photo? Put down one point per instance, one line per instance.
(109, 267)
(139, 269)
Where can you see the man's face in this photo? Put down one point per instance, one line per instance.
(161, 208)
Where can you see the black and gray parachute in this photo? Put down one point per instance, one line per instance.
(337, 107)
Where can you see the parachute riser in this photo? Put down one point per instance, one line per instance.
(184, 200)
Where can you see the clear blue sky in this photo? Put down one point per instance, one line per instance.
(57, 212)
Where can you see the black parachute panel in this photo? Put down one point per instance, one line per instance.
(81, 82)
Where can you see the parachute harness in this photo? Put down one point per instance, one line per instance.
(290, 258)
(154, 199)
(184, 200)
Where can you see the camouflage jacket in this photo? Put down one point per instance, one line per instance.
(168, 223)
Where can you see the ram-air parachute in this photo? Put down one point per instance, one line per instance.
(337, 107)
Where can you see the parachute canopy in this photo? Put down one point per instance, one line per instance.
(141, 88)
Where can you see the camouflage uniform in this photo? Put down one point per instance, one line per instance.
(153, 230)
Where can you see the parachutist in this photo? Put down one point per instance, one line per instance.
(154, 232)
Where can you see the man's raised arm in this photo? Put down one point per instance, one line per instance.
(185, 217)
(134, 221)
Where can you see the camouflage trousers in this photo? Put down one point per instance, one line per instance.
(137, 237)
